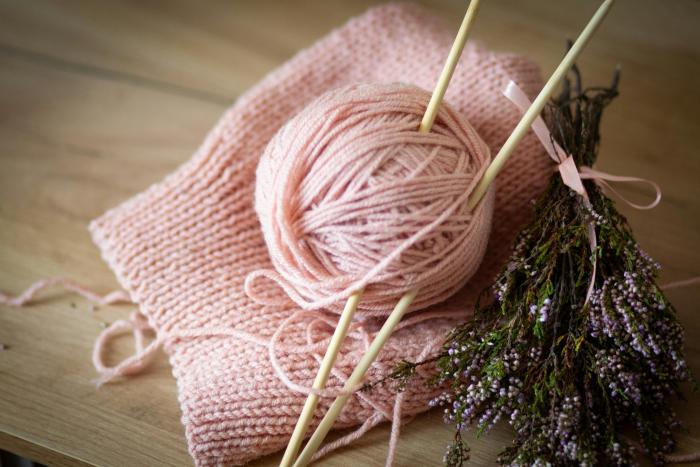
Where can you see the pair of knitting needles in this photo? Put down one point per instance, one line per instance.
(404, 303)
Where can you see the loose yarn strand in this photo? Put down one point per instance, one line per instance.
(348, 439)
(134, 364)
(117, 296)
(144, 354)
(136, 324)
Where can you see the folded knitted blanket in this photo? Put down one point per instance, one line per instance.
(183, 248)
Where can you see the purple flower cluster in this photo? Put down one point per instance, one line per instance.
(484, 397)
(629, 361)
(541, 313)
(483, 403)
(614, 374)
(499, 290)
(631, 312)
(596, 218)
(567, 419)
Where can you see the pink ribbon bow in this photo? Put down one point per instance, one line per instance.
(573, 176)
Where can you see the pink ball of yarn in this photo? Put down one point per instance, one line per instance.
(351, 196)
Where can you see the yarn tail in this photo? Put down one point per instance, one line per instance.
(118, 296)
(136, 324)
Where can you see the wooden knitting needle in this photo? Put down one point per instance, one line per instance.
(493, 170)
(351, 305)
(450, 64)
(538, 105)
(324, 370)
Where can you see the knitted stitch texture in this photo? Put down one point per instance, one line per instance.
(183, 248)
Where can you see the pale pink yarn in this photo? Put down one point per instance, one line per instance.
(351, 196)
(183, 248)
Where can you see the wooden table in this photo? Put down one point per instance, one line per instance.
(98, 100)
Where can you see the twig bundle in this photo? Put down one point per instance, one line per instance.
(569, 375)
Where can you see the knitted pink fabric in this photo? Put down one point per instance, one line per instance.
(183, 248)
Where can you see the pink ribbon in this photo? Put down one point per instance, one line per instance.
(573, 176)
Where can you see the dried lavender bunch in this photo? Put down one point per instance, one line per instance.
(569, 376)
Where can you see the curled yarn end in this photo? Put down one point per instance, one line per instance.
(282, 375)
(138, 326)
(261, 295)
(290, 296)
(102, 379)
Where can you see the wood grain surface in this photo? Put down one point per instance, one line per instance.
(100, 99)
